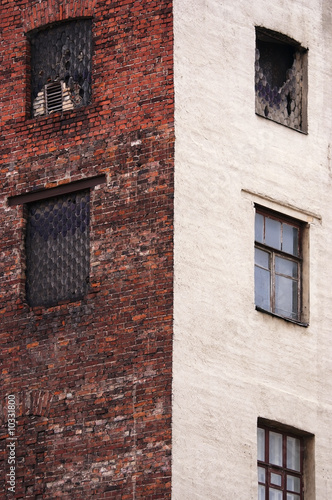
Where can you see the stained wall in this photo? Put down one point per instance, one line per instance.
(234, 364)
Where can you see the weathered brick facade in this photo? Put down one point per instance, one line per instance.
(92, 378)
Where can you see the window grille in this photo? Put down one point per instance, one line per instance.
(53, 97)
(57, 249)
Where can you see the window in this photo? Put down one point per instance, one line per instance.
(61, 67)
(280, 464)
(279, 264)
(57, 241)
(57, 249)
(281, 79)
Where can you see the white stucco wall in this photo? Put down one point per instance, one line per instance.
(233, 364)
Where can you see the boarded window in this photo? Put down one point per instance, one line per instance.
(57, 248)
(61, 57)
(281, 79)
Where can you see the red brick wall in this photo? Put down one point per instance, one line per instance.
(92, 379)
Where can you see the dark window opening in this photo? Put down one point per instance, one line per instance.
(61, 57)
(280, 79)
(53, 97)
(57, 249)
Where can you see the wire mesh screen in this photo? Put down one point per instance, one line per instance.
(57, 249)
(63, 53)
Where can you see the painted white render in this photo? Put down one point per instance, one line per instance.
(232, 363)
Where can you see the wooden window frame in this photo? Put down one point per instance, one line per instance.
(281, 470)
(300, 260)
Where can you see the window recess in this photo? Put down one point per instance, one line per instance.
(281, 79)
(61, 66)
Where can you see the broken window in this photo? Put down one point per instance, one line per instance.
(57, 248)
(61, 67)
(281, 79)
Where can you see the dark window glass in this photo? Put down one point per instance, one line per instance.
(57, 248)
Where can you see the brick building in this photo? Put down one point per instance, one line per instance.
(131, 369)
(86, 243)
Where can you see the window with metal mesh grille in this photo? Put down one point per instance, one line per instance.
(61, 66)
(57, 248)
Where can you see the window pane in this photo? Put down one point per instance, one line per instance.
(286, 297)
(261, 475)
(293, 484)
(260, 444)
(285, 266)
(262, 288)
(275, 494)
(292, 496)
(259, 228)
(261, 492)
(293, 453)
(275, 450)
(273, 233)
(290, 238)
(275, 479)
(262, 258)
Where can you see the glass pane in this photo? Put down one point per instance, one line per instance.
(290, 238)
(261, 492)
(273, 233)
(292, 496)
(259, 228)
(293, 453)
(275, 494)
(262, 288)
(293, 483)
(285, 266)
(261, 444)
(275, 448)
(261, 475)
(262, 258)
(286, 297)
(275, 479)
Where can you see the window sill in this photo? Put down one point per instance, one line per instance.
(289, 320)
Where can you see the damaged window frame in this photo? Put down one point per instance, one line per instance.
(283, 101)
(65, 62)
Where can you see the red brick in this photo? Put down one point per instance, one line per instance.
(88, 376)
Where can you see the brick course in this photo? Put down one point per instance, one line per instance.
(93, 378)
